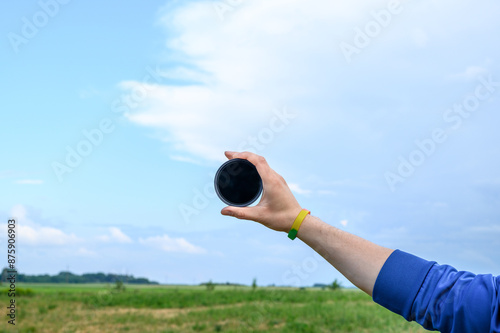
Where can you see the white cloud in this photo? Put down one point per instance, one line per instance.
(18, 212)
(471, 73)
(244, 68)
(265, 55)
(169, 244)
(8, 173)
(184, 159)
(29, 182)
(201, 121)
(38, 235)
(115, 235)
(34, 234)
(85, 252)
(344, 222)
(89, 93)
(297, 189)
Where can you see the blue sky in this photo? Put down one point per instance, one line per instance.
(381, 115)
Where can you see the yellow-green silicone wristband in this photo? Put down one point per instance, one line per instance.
(292, 234)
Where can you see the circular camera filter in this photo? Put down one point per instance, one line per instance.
(238, 183)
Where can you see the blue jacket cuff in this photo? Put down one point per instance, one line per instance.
(399, 281)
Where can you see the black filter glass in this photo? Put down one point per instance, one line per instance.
(238, 183)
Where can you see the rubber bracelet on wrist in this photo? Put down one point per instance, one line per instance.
(292, 234)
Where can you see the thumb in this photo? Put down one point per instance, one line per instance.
(242, 213)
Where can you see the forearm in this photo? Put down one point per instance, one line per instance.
(357, 259)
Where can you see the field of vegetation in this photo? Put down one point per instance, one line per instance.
(134, 308)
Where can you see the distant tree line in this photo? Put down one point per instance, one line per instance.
(210, 283)
(68, 277)
(336, 284)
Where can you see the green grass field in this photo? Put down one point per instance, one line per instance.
(101, 308)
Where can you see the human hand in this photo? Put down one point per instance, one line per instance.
(277, 208)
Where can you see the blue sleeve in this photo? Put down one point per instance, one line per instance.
(438, 297)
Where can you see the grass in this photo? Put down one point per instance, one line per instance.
(172, 309)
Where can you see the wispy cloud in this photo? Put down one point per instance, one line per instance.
(169, 244)
(9, 173)
(184, 159)
(297, 189)
(29, 182)
(39, 235)
(34, 234)
(89, 93)
(470, 73)
(19, 212)
(233, 84)
(84, 252)
(115, 235)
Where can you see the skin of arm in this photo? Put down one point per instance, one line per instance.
(359, 260)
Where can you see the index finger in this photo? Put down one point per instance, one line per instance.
(260, 162)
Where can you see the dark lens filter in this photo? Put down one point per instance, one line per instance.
(238, 183)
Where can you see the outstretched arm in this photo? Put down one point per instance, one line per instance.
(357, 259)
(436, 296)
